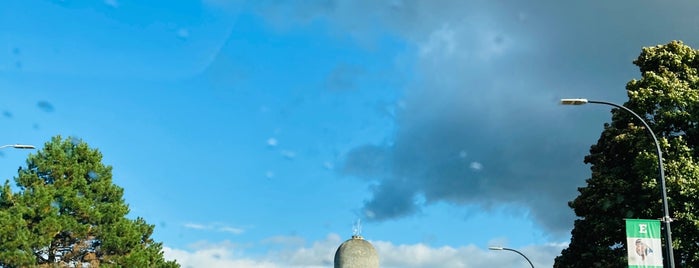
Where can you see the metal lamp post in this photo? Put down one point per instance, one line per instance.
(666, 218)
(513, 250)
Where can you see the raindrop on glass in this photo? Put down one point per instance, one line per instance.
(45, 106)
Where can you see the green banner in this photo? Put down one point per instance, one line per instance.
(643, 243)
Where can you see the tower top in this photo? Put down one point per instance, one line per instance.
(356, 253)
(357, 229)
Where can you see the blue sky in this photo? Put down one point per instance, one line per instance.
(255, 133)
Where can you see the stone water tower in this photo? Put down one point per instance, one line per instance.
(356, 253)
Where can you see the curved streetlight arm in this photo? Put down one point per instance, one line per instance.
(513, 250)
(666, 210)
(19, 146)
(659, 151)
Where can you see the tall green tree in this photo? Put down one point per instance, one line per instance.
(68, 213)
(624, 181)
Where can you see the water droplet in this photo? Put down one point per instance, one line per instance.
(288, 154)
(499, 39)
(45, 106)
(462, 154)
(369, 214)
(272, 142)
(112, 3)
(183, 33)
(75, 141)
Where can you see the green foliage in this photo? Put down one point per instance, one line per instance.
(625, 181)
(68, 212)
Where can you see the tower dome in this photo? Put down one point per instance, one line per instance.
(356, 253)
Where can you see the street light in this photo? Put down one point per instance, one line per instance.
(18, 146)
(520, 253)
(666, 218)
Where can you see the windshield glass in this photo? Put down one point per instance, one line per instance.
(267, 133)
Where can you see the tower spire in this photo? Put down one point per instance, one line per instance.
(357, 229)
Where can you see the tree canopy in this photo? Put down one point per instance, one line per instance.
(624, 181)
(66, 212)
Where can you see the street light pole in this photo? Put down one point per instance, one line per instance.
(666, 218)
(520, 253)
(18, 146)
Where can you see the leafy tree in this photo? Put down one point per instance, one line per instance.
(624, 181)
(68, 213)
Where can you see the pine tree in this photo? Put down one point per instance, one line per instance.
(624, 181)
(68, 213)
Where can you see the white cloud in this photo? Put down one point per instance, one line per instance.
(321, 254)
(424, 256)
(231, 230)
(213, 257)
(218, 227)
(195, 226)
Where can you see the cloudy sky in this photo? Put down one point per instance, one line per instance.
(256, 133)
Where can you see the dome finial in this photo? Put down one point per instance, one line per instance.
(357, 229)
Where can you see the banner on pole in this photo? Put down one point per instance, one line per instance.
(643, 243)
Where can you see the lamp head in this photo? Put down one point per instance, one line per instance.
(23, 146)
(496, 248)
(573, 101)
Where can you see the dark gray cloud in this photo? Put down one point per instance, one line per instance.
(368, 161)
(482, 125)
